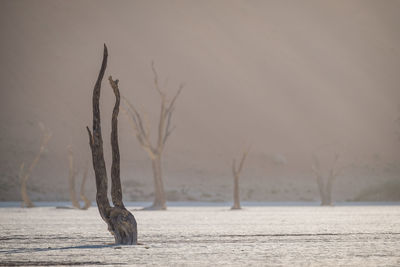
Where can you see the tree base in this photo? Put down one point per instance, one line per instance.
(236, 208)
(122, 225)
(27, 205)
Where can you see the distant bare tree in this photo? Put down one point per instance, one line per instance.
(85, 200)
(398, 127)
(121, 223)
(72, 174)
(236, 175)
(25, 174)
(325, 187)
(141, 128)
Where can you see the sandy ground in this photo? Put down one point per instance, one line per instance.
(206, 236)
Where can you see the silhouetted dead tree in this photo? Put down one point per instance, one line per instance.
(141, 128)
(236, 175)
(25, 174)
(325, 187)
(121, 223)
(72, 174)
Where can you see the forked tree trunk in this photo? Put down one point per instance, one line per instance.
(121, 223)
(159, 195)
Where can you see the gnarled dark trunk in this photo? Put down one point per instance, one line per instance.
(121, 223)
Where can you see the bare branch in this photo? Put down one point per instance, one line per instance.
(168, 131)
(234, 167)
(332, 172)
(131, 118)
(157, 87)
(21, 172)
(172, 103)
(242, 161)
(134, 124)
(161, 125)
(168, 115)
(141, 130)
(90, 136)
(136, 119)
(316, 166)
(146, 124)
(96, 145)
(116, 188)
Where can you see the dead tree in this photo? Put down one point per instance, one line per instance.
(141, 129)
(325, 187)
(72, 174)
(236, 174)
(85, 200)
(121, 223)
(25, 174)
(71, 179)
(398, 127)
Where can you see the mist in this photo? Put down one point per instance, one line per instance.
(290, 79)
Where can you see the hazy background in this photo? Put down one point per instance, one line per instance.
(289, 78)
